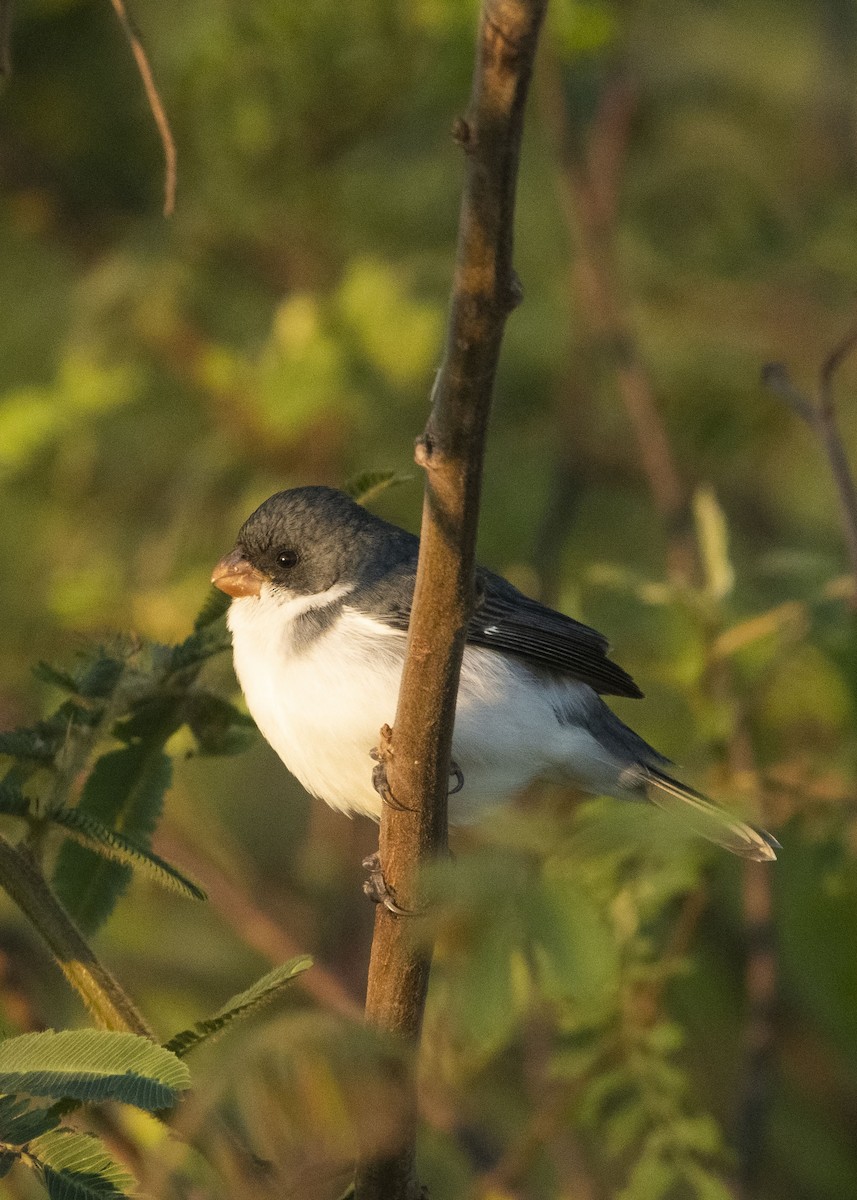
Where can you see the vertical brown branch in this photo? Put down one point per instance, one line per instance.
(451, 450)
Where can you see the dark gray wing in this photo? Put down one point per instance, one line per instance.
(507, 620)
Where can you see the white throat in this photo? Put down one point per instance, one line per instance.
(271, 615)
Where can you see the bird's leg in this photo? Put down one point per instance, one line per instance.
(375, 887)
(455, 769)
(382, 754)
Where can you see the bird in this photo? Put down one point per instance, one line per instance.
(321, 592)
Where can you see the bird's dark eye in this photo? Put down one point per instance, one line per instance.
(287, 558)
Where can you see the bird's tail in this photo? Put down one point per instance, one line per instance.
(706, 818)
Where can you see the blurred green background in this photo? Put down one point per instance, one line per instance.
(617, 1010)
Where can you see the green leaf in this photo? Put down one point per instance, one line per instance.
(624, 1126)
(651, 1178)
(706, 1185)
(91, 1065)
(575, 948)
(19, 1123)
(665, 1038)
(75, 1166)
(218, 726)
(39, 743)
(13, 802)
(261, 993)
(96, 678)
(484, 1000)
(124, 791)
(214, 607)
(151, 720)
(582, 27)
(109, 843)
(609, 1091)
(699, 1134)
(369, 484)
(712, 534)
(577, 1057)
(55, 676)
(99, 678)
(211, 639)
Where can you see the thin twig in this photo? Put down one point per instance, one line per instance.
(589, 174)
(254, 925)
(155, 105)
(111, 1008)
(833, 445)
(776, 378)
(821, 418)
(831, 365)
(451, 450)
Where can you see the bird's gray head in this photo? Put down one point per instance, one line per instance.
(304, 542)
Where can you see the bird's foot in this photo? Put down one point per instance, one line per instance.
(375, 887)
(455, 769)
(382, 786)
(382, 754)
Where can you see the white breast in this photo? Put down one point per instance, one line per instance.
(321, 706)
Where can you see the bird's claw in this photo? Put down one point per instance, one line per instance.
(375, 887)
(380, 783)
(382, 787)
(382, 753)
(455, 769)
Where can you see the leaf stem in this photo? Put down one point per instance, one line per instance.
(109, 1005)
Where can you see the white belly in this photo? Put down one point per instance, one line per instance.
(321, 709)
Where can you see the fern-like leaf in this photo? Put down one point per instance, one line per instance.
(88, 831)
(56, 676)
(261, 993)
(369, 484)
(124, 791)
(75, 1166)
(100, 676)
(218, 726)
(13, 802)
(91, 1065)
(39, 743)
(19, 1123)
(215, 606)
(211, 639)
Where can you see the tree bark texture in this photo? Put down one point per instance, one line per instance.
(417, 751)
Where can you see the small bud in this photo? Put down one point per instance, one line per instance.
(462, 133)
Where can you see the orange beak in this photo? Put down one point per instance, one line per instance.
(236, 576)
